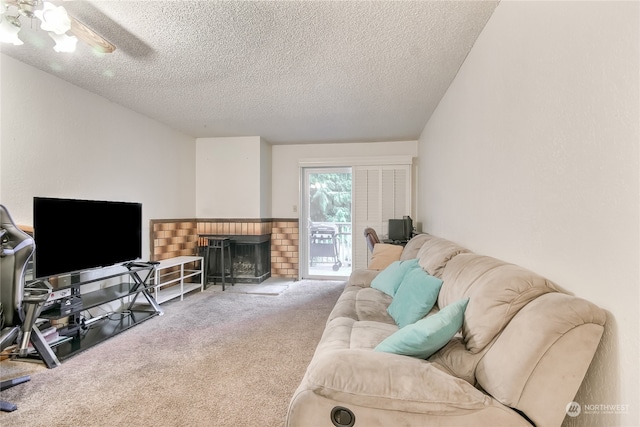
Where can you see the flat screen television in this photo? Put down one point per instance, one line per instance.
(74, 235)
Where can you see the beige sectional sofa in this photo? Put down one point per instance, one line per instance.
(518, 359)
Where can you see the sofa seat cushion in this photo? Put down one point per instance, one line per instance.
(372, 305)
(344, 333)
(359, 303)
(367, 334)
(399, 383)
(456, 360)
(346, 304)
(336, 335)
(497, 291)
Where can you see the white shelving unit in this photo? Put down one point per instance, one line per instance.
(170, 282)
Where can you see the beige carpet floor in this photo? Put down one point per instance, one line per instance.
(215, 359)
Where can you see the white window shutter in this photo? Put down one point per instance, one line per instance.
(379, 194)
(366, 210)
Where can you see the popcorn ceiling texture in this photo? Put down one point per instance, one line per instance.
(291, 72)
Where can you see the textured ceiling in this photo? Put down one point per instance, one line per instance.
(291, 72)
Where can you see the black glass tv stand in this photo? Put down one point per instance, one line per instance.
(83, 330)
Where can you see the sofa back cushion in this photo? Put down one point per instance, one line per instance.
(435, 252)
(497, 291)
(412, 247)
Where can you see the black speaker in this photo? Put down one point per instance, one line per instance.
(342, 417)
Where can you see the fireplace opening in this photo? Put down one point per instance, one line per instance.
(251, 260)
(251, 257)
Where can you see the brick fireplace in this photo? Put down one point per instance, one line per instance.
(264, 247)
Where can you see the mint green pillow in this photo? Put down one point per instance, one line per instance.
(427, 335)
(415, 297)
(389, 279)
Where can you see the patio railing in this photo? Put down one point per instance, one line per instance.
(329, 239)
(344, 242)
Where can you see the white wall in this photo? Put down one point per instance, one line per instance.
(228, 177)
(532, 157)
(265, 179)
(58, 140)
(286, 169)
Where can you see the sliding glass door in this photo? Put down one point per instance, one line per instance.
(326, 223)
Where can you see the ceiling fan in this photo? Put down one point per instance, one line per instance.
(54, 19)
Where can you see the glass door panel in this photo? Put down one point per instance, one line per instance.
(326, 223)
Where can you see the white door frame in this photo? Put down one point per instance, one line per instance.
(304, 244)
(303, 251)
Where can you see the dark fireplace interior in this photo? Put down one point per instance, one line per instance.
(251, 258)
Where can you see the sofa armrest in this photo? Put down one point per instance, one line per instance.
(539, 361)
(362, 277)
(373, 379)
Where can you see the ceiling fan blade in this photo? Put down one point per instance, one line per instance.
(90, 37)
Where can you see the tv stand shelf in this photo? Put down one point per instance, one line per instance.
(95, 299)
(100, 331)
(83, 332)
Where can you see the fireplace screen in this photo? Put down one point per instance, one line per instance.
(251, 260)
(251, 257)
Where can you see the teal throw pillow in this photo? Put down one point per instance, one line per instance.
(389, 279)
(427, 335)
(415, 297)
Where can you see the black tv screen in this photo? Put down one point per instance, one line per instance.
(75, 235)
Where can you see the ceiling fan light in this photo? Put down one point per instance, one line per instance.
(26, 7)
(54, 19)
(64, 43)
(9, 28)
